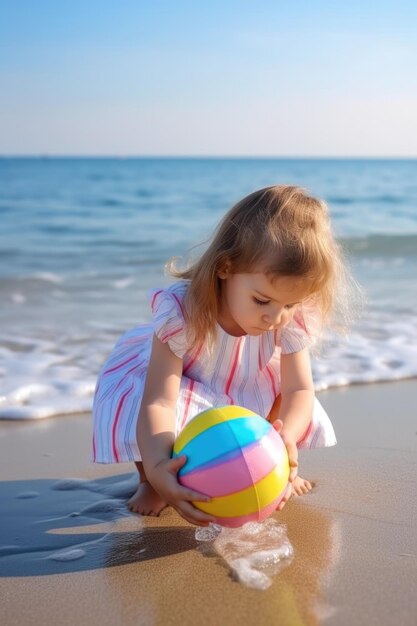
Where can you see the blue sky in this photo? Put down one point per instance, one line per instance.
(234, 77)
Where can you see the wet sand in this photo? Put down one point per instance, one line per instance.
(70, 554)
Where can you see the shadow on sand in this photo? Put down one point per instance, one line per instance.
(34, 517)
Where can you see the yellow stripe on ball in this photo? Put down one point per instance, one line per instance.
(250, 500)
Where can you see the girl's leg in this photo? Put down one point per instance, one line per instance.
(145, 501)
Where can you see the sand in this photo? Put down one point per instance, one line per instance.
(354, 537)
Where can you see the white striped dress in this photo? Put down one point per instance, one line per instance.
(243, 371)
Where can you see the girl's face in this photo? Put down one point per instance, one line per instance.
(252, 303)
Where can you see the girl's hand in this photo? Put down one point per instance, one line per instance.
(163, 479)
(292, 451)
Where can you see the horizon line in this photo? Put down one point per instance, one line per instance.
(47, 156)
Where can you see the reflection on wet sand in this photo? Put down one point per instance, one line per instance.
(297, 593)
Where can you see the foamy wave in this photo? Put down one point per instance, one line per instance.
(49, 277)
(45, 377)
(122, 283)
(18, 298)
(42, 378)
(381, 349)
(385, 246)
(38, 401)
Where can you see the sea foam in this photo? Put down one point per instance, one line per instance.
(42, 378)
(254, 553)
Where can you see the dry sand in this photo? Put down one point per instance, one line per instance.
(354, 537)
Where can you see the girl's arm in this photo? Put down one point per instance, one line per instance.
(156, 433)
(296, 406)
(156, 423)
(297, 392)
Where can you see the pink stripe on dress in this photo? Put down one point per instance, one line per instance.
(94, 447)
(190, 386)
(116, 419)
(154, 297)
(193, 360)
(178, 301)
(119, 365)
(272, 379)
(233, 370)
(166, 336)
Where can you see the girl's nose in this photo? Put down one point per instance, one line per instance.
(273, 318)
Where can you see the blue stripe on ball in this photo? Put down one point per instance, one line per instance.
(222, 439)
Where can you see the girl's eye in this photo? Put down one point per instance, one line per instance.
(260, 302)
(290, 306)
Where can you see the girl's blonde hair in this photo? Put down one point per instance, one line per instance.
(280, 231)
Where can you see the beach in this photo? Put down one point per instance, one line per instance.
(79, 264)
(71, 553)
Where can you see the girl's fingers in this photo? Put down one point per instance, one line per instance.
(278, 425)
(189, 494)
(183, 492)
(176, 464)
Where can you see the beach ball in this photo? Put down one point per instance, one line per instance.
(238, 459)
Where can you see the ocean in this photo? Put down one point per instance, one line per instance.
(83, 240)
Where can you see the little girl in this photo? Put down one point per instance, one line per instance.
(235, 329)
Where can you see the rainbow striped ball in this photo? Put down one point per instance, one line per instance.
(238, 459)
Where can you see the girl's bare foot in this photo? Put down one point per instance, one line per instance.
(146, 500)
(300, 486)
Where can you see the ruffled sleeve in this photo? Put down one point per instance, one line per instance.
(302, 331)
(167, 307)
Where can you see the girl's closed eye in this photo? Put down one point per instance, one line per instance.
(260, 302)
(264, 302)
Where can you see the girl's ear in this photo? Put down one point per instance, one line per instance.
(225, 270)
